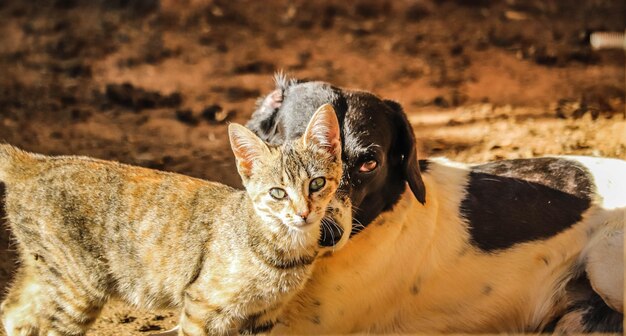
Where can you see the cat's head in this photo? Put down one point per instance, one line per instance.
(293, 183)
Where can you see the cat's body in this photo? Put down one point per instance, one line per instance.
(89, 229)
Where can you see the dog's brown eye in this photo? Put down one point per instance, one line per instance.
(368, 166)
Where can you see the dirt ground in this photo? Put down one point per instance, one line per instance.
(154, 83)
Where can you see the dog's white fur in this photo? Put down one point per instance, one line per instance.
(414, 270)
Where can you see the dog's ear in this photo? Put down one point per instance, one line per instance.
(405, 145)
(263, 120)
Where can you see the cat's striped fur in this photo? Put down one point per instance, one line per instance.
(88, 230)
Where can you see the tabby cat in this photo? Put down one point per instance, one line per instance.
(88, 230)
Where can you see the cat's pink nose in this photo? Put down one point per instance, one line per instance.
(304, 214)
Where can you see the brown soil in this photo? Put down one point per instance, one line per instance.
(153, 84)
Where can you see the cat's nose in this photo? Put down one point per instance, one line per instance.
(303, 214)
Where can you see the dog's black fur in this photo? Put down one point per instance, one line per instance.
(539, 198)
(377, 129)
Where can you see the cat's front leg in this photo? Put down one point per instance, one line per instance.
(200, 318)
(19, 310)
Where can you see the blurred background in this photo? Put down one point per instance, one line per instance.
(154, 83)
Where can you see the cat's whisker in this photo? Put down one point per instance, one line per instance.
(323, 231)
(357, 226)
(327, 222)
(358, 223)
(329, 225)
(332, 237)
(324, 225)
(356, 209)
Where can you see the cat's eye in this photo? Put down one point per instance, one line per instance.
(317, 183)
(278, 193)
(368, 166)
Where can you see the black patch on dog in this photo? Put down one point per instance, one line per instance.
(515, 201)
(599, 317)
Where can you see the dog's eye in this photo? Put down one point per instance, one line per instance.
(368, 166)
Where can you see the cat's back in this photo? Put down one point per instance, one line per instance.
(18, 167)
(98, 190)
(15, 164)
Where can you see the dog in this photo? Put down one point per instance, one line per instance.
(526, 245)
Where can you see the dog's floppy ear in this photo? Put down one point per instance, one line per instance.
(263, 120)
(405, 145)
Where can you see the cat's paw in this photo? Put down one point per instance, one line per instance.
(19, 321)
(18, 312)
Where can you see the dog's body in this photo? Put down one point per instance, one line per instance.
(420, 268)
(504, 246)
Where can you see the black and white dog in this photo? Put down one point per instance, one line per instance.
(510, 246)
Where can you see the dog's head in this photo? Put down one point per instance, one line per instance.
(379, 152)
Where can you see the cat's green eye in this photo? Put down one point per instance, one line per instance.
(278, 193)
(317, 183)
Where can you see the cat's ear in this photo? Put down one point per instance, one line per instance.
(323, 130)
(247, 148)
